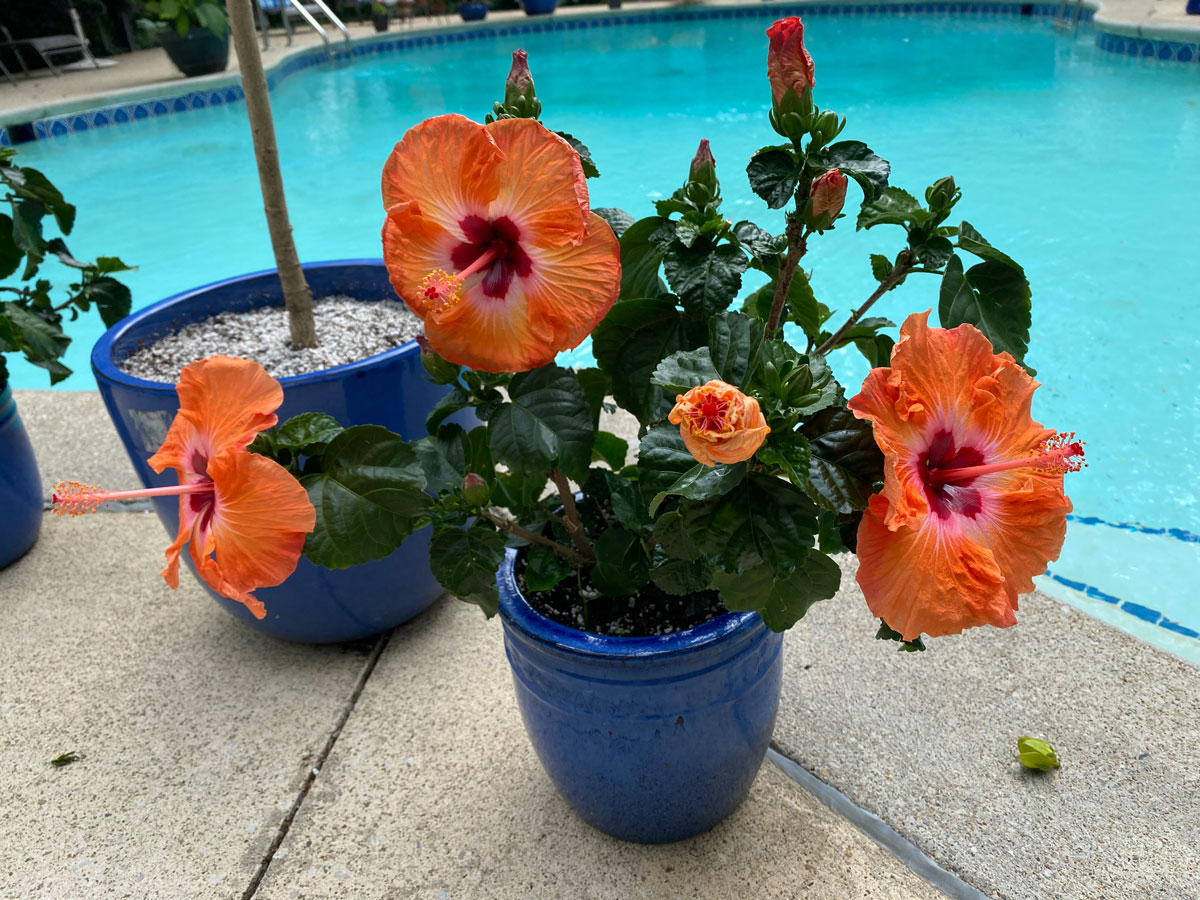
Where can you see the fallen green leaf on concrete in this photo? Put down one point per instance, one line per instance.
(65, 759)
(1035, 754)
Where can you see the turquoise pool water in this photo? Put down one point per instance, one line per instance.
(1081, 164)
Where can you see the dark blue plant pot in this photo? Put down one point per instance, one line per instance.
(539, 7)
(473, 12)
(20, 485)
(649, 739)
(1193, 8)
(315, 604)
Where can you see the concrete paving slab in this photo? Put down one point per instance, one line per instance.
(433, 791)
(74, 439)
(927, 742)
(195, 732)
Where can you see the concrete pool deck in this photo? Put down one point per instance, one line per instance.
(151, 73)
(198, 738)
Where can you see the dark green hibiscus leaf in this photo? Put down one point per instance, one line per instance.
(307, 433)
(662, 459)
(773, 173)
(973, 242)
(443, 457)
(762, 519)
(700, 482)
(585, 155)
(684, 370)
(369, 497)
(855, 159)
(845, 461)
(465, 560)
(679, 576)
(621, 564)
(706, 278)
(994, 297)
(781, 600)
(892, 207)
(618, 219)
(759, 242)
(112, 298)
(544, 568)
(546, 420)
(641, 259)
(673, 537)
(733, 342)
(629, 343)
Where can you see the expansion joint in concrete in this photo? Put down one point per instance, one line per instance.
(876, 829)
(315, 770)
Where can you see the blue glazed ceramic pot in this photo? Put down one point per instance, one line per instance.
(649, 739)
(473, 12)
(315, 604)
(20, 485)
(539, 7)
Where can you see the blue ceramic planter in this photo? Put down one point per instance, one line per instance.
(315, 604)
(649, 739)
(20, 485)
(539, 7)
(473, 12)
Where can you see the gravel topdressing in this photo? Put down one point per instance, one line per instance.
(347, 330)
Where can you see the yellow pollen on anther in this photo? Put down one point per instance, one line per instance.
(441, 290)
(73, 498)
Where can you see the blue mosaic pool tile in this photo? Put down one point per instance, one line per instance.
(1145, 613)
(1166, 623)
(1165, 51)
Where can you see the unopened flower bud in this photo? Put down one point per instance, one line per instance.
(702, 158)
(942, 194)
(520, 79)
(475, 490)
(788, 62)
(829, 194)
(827, 125)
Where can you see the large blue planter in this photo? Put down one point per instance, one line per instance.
(315, 604)
(649, 739)
(473, 12)
(20, 485)
(539, 7)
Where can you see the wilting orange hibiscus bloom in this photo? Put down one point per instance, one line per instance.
(972, 505)
(490, 240)
(241, 506)
(719, 424)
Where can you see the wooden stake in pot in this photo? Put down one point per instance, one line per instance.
(296, 294)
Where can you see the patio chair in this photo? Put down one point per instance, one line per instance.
(45, 47)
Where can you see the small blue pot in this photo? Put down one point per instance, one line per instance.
(473, 12)
(539, 7)
(20, 485)
(650, 739)
(315, 604)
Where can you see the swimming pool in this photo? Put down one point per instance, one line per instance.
(1080, 163)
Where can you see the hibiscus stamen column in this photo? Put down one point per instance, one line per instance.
(73, 498)
(1060, 454)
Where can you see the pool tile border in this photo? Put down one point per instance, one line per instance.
(222, 94)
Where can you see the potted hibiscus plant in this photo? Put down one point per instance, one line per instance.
(32, 324)
(643, 604)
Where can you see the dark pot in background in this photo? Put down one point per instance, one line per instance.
(472, 12)
(199, 52)
(1193, 8)
(614, 4)
(315, 604)
(649, 739)
(20, 485)
(538, 7)
(380, 21)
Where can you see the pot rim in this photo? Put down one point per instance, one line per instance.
(516, 613)
(104, 366)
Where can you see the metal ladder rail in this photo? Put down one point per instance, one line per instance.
(1076, 9)
(337, 23)
(308, 17)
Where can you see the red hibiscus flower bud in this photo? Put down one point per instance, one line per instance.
(475, 490)
(788, 63)
(829, 194)
(702, 158)
(520, 79)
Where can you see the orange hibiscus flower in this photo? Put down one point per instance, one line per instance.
(241, 506)
(719, 424)
(972, 505)
(490, 240)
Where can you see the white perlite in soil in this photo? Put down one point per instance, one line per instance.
(347, 330)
